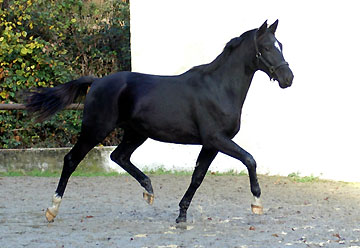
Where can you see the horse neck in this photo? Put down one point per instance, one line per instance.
(234, 76)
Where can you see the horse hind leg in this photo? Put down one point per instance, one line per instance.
(203, 162)
(85, 143)
(121, 155)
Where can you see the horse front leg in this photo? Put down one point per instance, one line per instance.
(228, 147)
(203, 162)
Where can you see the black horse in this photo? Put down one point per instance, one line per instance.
(201, 106)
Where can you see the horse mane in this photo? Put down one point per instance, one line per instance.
(222, 57)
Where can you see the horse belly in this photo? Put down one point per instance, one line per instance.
(167, 127)
(175, 136)
(164, 112)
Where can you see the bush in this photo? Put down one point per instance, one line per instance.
(47, 42)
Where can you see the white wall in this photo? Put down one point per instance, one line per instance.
(312, 127)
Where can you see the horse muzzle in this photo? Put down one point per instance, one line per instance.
(284, 77)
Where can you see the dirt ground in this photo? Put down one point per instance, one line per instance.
(110, 212)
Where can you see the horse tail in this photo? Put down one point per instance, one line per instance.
(45, 102)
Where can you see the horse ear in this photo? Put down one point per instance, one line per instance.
(273, 27)
(262, 29)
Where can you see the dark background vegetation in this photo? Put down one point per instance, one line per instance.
(44, 43)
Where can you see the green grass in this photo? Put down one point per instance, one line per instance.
(162, 171)
(95, 173)
(307, 179)
(33, 173)
(230, 173)
(151, 172)
(38, 173)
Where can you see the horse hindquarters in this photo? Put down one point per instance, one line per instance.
(101, 116)
(98, 121)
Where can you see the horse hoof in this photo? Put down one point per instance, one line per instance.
(182, 226)
(149, 198)
(49, 216)
(257, 209)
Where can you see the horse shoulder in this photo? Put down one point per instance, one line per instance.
(216, 113)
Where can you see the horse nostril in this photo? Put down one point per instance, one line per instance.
(291, 77)
(290, 80)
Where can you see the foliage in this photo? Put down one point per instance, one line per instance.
(47, 42)
(306, 179)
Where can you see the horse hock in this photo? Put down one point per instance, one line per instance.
(52, 211)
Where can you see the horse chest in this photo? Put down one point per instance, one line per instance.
(226, 122)
(231, 125)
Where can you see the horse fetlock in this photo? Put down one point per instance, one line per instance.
(52, 211)
(146, 183)
(148, 195)
(182, 215)
(180, 219)
(256, 191)
(184, 205)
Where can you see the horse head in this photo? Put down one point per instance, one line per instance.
(269, 55)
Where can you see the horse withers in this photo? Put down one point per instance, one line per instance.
(201, 106)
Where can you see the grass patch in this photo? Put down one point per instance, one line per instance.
(33, 173)
(95, 174)
(307, 179)
(229, 173)
(81, 172)
(38, 173)
(162, 171)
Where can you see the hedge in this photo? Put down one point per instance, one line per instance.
(44, 43)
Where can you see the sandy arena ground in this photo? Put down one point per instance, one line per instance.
(110, 212)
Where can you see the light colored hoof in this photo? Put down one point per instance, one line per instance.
(257, 209)
(149, 198)
(49, 216)
(52, 211)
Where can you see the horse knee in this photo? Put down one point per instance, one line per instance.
(250, 162)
